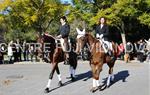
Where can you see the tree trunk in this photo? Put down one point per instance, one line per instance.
(123, 36)
(123, 40)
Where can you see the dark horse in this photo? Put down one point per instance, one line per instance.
(97, 58)
(57, 55)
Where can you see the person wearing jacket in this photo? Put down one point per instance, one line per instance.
(103, 34)
(64, 31)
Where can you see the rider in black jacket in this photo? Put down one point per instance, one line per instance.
(102, 33)
(64, 33)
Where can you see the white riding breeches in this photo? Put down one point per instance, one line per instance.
(106, 45)
(62, 43)
(61, 40)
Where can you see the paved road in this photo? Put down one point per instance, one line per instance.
(31, 79)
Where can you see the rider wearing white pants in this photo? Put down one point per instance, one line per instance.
(102, 33)
(105, 44)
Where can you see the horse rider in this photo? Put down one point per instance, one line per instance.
(102, 33)
(64, 31)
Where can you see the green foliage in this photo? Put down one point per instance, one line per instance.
(29, 16)
(123, 12)
(24, 18)
(145, 19)
(16, 34)
(34, 14)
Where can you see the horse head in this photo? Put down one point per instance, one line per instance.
(47, 43)
(86, 40)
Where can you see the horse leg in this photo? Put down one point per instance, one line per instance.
(50, 77)
(110, 76)
(93, 89)
(72, 73)
(96, 69)
(73, 65)
(59, 76)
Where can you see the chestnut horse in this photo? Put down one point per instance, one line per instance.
(97, 59)
(57, 55)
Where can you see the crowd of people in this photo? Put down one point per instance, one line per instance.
(16, 51)
(139, 50)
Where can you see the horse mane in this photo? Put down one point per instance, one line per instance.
(88, 35)
(49, 39)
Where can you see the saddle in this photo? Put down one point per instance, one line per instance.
(60, 43)
(107, 46)
(104, 44)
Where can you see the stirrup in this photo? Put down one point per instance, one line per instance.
(66, 62)
(109, 53)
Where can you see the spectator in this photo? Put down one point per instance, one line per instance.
(148, 50)
(121, 51)
(129, 47)
(15, 52)
(18, 50)
(148, 44)
(2, 55)
(31, 52)
(141, 51)
(10, 52)
(1, 58)
(25, 51)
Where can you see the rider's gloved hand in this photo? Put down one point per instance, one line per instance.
(101, 36)
(58, 37)
(97, 36)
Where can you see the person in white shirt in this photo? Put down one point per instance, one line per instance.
(104, 36)
(148, 44)
(80, 33)
(10, 52)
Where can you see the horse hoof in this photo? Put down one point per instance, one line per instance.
(99, 87)
(60, 84)
(107, 86)
(66, 62)
(73, 79)
(112, 81)
(46, 90)
(93, 89)
(102, 87)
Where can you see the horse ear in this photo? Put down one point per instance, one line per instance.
(86, 33)
(42, 34)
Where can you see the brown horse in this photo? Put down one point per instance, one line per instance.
(56, 55)
(97, 59)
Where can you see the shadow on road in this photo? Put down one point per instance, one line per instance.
(85, 76)
(120, 76)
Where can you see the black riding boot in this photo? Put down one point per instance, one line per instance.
(66, 61)
(110, 53)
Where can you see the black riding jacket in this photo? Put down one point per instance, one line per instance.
(64, 30)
